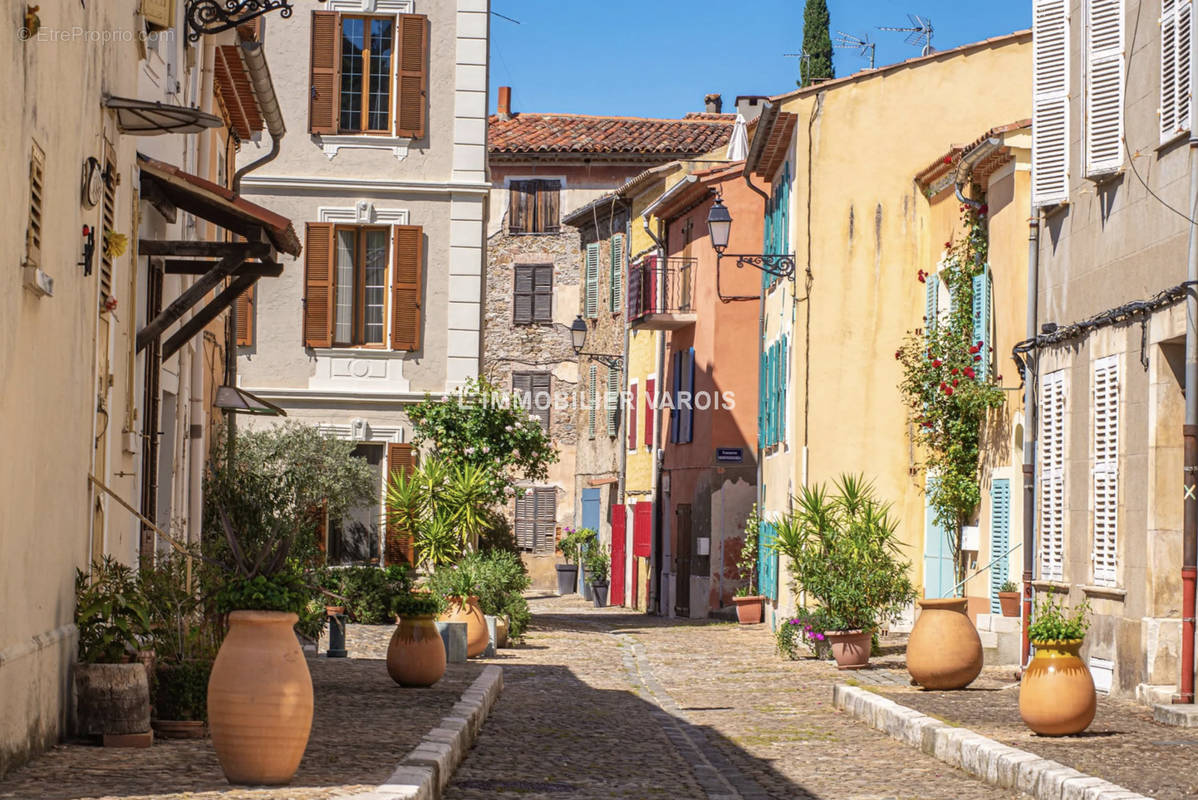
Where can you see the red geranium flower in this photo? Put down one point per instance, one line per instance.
(977, 358)
(897, 355)
(969, 372)
(948, 390)
(955, 380)
(937, 363)
(948, 159)
(973, 349)
(955, 371)
(947, 245)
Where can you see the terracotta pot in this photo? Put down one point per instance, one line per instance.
(260, 699)
(1056, 696)
(416, 655)
(112, 699)
(944, 650)
(501, 631)
(334, 610)
(749, 609)
(471, 613)
(850, 648)
(1009, 602)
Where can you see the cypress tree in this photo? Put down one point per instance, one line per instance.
(817, 44)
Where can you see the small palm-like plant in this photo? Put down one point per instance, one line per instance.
(437, 541)
(445, 507)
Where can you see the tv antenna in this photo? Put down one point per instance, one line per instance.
(804, 62)
(861, 44)
(920, 30)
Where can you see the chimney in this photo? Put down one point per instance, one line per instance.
(749, 106)
(505, 102)
(714, 103)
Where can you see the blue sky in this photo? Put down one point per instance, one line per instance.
(657, 58)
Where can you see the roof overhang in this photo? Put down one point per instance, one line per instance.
(974, 162)
(771, 142)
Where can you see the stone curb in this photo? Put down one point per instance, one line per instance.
(993, 762)
(425, 771)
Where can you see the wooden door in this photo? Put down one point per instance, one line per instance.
(682, 562)
(619, 533)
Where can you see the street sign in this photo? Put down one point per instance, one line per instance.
(730, 455)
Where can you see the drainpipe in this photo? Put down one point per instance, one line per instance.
(1189, 568)
(264, 90)
(1029, 432)
(656, 453)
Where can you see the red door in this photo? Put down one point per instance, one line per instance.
(619, 539)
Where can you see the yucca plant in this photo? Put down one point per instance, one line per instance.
(445, 506)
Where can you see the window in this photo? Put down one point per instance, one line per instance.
(1104, 86)
(616, 283)
(1176, 16)
(772, 402)
(533, 206)
(1000, 538)
(400, 545)
(531, 390)
(1052, 476)
(107, 222)
(1050, 102)
(346, 276)
(983, 311)
(354, 539)
(777, 222)
(37, 183)
(368, 74)
(590, 279)
(682, 416)
(533, 294)
(1105, 469)
(536, 519)
(245, 316)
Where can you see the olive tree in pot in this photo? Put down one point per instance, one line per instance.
(749, 604)
(845, 555)
(597, 562)
(260, 528)
(112, 689)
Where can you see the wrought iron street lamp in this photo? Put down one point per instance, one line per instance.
(578, 339)
(719, 229)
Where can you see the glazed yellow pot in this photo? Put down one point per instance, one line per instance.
(416, 655)
(260, 699)
(1056, 696)
(471, 613)
(944, 650)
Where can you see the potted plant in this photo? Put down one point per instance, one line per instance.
(803, 635)
(416, 654)
(597, 561)
(181, 699)
(1008, 599)
(112, 690)
(445, 505)
(845, 554)
(1056, 695)
(502, 579)
(571, 547)
(458, 586)
(750, 606)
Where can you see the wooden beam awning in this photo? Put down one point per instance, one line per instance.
(775, 144)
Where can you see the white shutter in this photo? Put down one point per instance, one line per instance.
(1105, 469)
(1176, 16)
(1050, 103)
(1052, 476)
(1104, 86)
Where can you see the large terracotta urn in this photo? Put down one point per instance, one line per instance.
(416, 655)
(1056, 696)
(850, 648)
(468, 610)
(260, 699)
(944, 650)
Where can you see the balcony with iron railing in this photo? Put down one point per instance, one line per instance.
(661, 293)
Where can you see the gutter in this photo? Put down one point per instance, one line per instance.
(965, 169)
(1029, 433)
(1189, 564)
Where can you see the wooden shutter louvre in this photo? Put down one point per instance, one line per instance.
(1000, 538)
(407, 266)
(632, 416)
(1052, 476)
(324, 73)
(245, 316)
(1050, 103)
(522, 298)
(675, 410)
(650, 410)
(931, 304)
(318, 284)
(592, 398)
(412, 103)
(592, 280)
(981, 323)
(525, 519)
(1104, 86)
(518, 207)
(542, 396)
(400, 545)
(547, 202)
(542, 289)
(688, 413)
(37, 187)
(546, 519)
(613, 402)
(616, 273)
(1105, 470)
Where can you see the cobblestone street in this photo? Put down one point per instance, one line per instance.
(613, 704)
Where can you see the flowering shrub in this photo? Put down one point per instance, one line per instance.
(947, 399)
(803, 635)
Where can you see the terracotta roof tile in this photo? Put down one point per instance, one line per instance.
(579, 133)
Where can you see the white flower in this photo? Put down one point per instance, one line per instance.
(528, 491)
(486, 449)
(507, 428)
(444, 397)
(469, 450)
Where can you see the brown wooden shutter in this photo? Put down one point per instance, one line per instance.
(318, 284)
(407, 265)
(520, 202)
(525, 519)
(323, 105)
(522, 298)
(548, 193)
(245, 316)
(546, 529)
(411, 106)
(542, 398)
(542, 310)
(399, 547)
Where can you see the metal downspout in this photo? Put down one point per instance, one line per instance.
(656, 452)
(1029, 433)
(1189, 565)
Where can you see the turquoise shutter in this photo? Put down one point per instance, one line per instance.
(592, 280)
(767, 561)
(931, 301)
(762, 396)
(981, 321)
(773, 382)
(782, 371)
(1000, 537)
(938, 575)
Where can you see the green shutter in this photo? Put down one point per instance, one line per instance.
(1000, 538)
(591, 280)
(617, 272)
(762, 397)
(613, 402)
(591, 400)
(981, 321)
(931, 301)
(782, 390)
